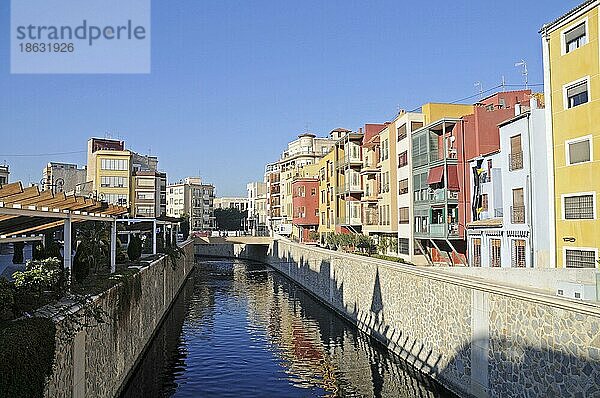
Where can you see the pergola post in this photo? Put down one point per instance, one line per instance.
(67, 247)
(113, 246)
(154, 236)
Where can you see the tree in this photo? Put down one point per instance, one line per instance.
(184, 226)
(134, 250)
(94, 247)
(230, 219)
(18, 253)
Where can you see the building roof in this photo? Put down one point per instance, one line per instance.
(560, 20)
(29, 210)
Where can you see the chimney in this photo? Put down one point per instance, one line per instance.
(533, 103)
(517, 109)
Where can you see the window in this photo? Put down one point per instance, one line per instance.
(403, 159)
(402, 132)
(385, 147)
(516, 153)
(579, 207)
(575, 38)
(403, 187)
(313, 191)
(476, 258)
(484, 202)
(579, 150)
(403, 246)
(415, 125)
(114, 164)
(518, 207)
(489, 170)
(113, 182)
(495, 250)
(403, 215)
(576, 94)
(579, 258)
(518, 253)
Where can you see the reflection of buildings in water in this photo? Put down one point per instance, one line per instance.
(158, 381)
(320, 349)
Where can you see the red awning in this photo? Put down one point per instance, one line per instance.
(435, 175)
(453, 178)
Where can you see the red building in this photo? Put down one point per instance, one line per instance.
(305, 202)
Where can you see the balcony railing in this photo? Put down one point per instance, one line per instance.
(439, 231)
(515, 161)
(498, 213)
(517, 214)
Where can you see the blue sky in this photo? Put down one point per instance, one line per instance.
(232, 82)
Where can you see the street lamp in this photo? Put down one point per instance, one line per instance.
(56, 185)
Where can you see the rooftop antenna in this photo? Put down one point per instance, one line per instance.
(524, 72)
(476, 85)
(503, 83)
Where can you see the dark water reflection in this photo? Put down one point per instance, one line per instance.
(239, 329)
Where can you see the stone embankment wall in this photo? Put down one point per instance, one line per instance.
(477, 338)
(97, 362)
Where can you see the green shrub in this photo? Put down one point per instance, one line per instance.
(41, 276)
(27, 348)
(7, 299)
(134, 250)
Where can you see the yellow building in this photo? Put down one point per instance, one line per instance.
(109, 171)
(572, 83)
(327, 193)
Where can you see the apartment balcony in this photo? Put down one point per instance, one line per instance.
(498, 213)
(370, 169)
(369, 197)
(436, 196)
(515, 161)
(439, 231)
(517, 214)
(349, 189)
(350, 221)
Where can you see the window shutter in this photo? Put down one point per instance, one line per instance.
(577, 89)
(574, 33)
(579, 152)
(515, 144)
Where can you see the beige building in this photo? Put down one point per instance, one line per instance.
(63, 177)
(305, 150)
(191, 198)
(257, 207)
(150, 194)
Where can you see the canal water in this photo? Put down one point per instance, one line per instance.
(240, 329)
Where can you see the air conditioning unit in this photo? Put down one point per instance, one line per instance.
(578, 291)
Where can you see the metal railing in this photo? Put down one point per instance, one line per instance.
(515, 161)
(517, 214)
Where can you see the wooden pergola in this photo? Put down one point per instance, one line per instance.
(26, 212)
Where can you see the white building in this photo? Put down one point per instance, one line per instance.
(257, 207)
(510, 206)
(4, 172)
(406, 123)
(196, 200)
(240, 204)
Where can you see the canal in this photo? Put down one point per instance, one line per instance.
(240, 329)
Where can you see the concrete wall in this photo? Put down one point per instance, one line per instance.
(477, 338)
(99, 359)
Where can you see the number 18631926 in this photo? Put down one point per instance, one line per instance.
(47, 47)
